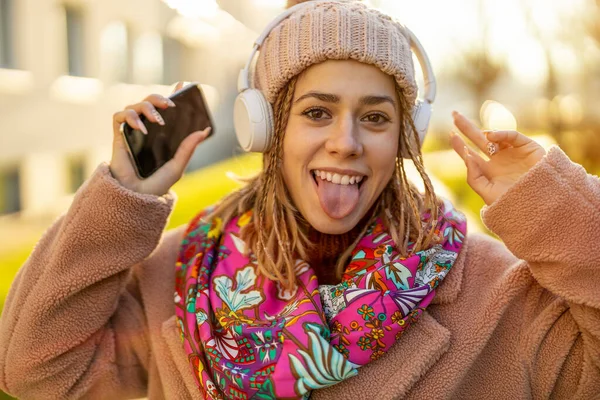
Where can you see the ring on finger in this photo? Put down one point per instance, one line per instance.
(492, 148)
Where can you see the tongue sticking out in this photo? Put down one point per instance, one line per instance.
(337, 200)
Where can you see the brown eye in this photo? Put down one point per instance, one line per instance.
(316, 114)
(376, 118)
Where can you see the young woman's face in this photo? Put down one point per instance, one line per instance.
(341, 142)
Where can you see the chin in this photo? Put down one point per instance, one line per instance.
(325, 224)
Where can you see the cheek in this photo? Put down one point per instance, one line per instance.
(383, 156)
(292, 154)
(286, 168)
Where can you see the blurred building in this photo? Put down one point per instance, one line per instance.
(67, 66)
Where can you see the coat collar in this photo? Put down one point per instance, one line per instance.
(450, 288)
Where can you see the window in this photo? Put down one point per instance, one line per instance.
(148, 58)
(75, 41)
(10, 191)
(172, 55)
(76, 173)
(116, 52)
(7, 57)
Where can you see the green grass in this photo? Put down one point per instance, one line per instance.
(10, 264)
(204, 187)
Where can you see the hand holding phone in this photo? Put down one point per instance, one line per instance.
(162, 154)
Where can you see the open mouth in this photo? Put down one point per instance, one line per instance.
(338, 179)
(338, 193)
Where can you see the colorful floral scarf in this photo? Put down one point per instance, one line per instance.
(248, 337)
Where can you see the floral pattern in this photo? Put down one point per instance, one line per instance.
(247, 337)
(323, 366)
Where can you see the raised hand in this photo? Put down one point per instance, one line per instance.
(121, 166)
(514, 156)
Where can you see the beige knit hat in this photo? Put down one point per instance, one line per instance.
(334, 30)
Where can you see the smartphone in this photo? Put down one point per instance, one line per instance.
(190, 114)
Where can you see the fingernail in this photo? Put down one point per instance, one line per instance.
(467, 152)
(142, 127)
(206, 132)
(455, 113)
(452, 134)
(158, 117)
(490, 134)
(170, 103)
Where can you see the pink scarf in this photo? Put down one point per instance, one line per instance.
(248, 337)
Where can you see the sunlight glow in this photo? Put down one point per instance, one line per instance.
(194, 8)
(193, 32)
(271, 3)
(496, 116)
(447, 28)
(527, 62)
(569, 108)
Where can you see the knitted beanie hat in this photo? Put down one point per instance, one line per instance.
(334, 30)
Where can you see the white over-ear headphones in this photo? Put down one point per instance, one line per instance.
(253, 114)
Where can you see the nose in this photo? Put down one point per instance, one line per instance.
(343, 140)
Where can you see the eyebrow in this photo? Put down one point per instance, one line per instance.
(375, 100)
(370, 100)
(326, 97)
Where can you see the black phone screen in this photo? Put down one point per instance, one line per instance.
(190, 114)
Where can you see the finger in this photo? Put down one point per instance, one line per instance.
(458, 144)
(499, 145)
(117, 133)
(476, 177)
(513, 138)
(160, 101)
(178, 86)
(470, 130)
(185, 151)
(461, 148)
(147, 108)
(132, 119)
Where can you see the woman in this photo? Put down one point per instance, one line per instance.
(299, 283)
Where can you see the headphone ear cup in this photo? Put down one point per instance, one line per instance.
(253, 121)
(421, 116)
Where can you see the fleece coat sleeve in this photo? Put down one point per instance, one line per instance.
(551, 220)
(73, 324)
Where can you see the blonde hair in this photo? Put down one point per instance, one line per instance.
(274, 234)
